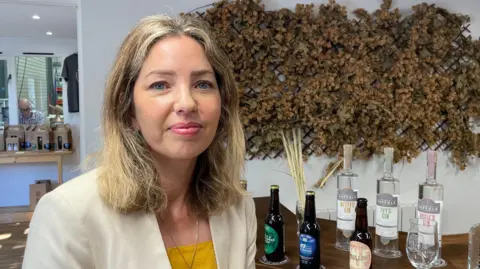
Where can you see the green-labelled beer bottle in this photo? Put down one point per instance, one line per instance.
(310, 235)
(274, 229)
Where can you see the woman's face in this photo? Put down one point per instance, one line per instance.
(177, 100)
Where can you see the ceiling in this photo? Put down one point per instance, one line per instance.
(56, 16)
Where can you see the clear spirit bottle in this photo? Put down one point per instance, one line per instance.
(387, 211)
(474, 247)
(430, 201)
(347, 193)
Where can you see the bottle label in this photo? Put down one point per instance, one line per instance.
(386, 216)
(429, 210)
(271, 239)
(308, 248)
(346, 203)
(360, 255)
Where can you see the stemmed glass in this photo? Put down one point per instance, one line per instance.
(422, 243)
(299, 211)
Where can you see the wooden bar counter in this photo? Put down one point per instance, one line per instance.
(455, 247)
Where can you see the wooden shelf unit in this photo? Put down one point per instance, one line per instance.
(23, 213)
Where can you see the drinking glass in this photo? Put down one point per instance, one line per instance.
(299, 210)
(422, 243)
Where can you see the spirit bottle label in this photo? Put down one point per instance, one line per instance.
(360, 255)
(429, 210)
(386, 216)
(346, 203)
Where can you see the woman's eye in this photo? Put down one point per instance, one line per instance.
(204, 85)
(159, 86)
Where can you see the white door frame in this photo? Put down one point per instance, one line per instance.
(12, 90)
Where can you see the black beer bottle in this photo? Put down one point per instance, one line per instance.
(274, 229)
(361, 240)
(310, 235)
(39, 143)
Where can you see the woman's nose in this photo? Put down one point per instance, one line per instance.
(185, 103)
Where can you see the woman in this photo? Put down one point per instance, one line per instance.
(166, 192)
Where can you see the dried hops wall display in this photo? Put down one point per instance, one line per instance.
(381, 79)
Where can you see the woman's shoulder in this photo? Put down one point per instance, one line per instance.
(79, 194)
(243, 209)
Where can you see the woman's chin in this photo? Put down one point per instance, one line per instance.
(181, 153)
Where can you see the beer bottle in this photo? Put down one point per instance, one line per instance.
(274, 229)
(361, 240)
(310, 235)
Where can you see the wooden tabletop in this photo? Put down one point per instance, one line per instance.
(455, 247)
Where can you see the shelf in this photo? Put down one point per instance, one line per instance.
(36, 157)
(14, 214)
(31, 156)
(24, 153)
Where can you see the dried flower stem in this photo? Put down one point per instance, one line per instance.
(321, 182)
(293, 151)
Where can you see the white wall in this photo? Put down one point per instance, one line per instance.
(16, 46)
(14, 179)
(103, 25)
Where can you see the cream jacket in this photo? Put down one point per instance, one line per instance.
(72, 228)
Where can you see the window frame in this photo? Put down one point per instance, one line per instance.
(12, 90)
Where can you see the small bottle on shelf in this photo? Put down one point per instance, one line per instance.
(361, 240)
(387, 211)
(347, 193)
(430, 201)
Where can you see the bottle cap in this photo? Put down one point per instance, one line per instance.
(274, 187)
(310, 194)
(243, 183)
(362, 202)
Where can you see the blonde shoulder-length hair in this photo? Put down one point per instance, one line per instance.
(127, 177)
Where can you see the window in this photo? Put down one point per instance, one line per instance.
(3, 91)
(37, 78)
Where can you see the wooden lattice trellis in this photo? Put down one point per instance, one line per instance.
(372, 86)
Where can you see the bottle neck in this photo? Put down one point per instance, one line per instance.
(310, 212)
(347, 164)
(432, 174)
(361, 220)
(388, 169)
(274, 202)
(432, 167)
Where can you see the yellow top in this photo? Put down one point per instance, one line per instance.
(205, 257)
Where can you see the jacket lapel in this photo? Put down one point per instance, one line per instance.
(155, 242)
(220, 240)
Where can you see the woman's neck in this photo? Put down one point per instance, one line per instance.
(176, 177)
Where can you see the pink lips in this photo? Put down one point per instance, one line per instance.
(186, 129)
